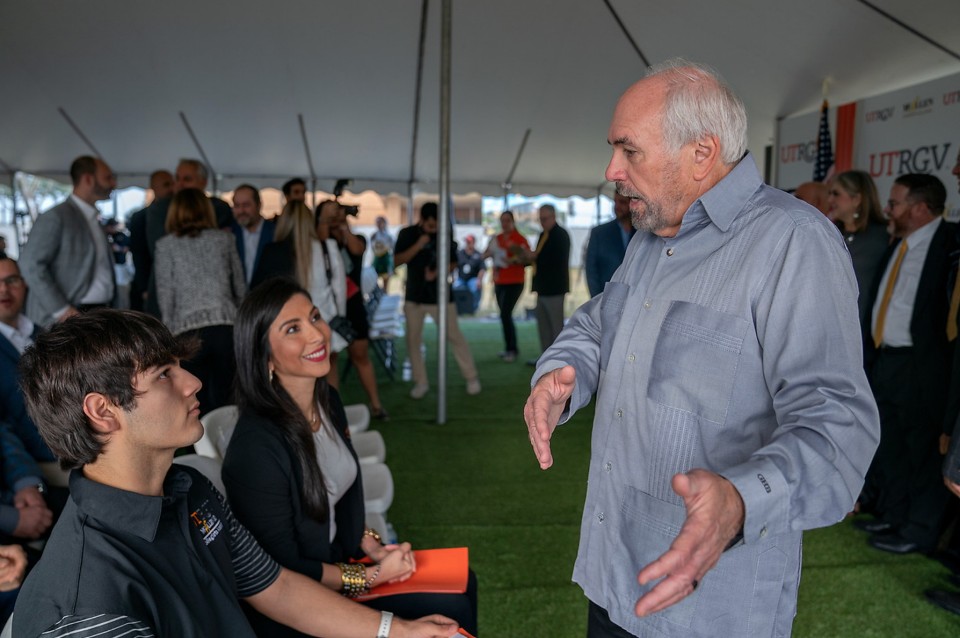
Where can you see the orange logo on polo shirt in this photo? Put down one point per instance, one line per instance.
(207, 522)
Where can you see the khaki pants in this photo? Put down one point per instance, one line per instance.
(415, 313)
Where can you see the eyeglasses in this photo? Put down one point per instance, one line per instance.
(12, 281)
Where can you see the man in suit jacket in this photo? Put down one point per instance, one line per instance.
(67, 261)
(607, 246)
(161, 183)
(252, 231)
(908, 357)
(16, 333)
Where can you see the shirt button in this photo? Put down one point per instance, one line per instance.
(669, 252)
(646, 304)
(600, 517)
(619, 414)
(763, 532)
(608, 466)
(632, 358)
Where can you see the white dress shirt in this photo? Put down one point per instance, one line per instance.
(896, 326)
(101, 288)
(19, 337)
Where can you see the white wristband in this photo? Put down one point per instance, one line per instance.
(386, 619)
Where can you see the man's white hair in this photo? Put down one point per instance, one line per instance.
(700, 103)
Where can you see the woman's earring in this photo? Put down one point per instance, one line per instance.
(271, 376)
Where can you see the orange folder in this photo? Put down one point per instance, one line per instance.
(439, 571)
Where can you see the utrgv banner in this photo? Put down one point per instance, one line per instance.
(913, 130)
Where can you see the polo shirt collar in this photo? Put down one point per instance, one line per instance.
(722, 203)
(126, 511)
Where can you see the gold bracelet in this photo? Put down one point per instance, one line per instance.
(354, 579)
(372, 533)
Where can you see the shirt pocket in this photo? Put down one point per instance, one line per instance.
(611, 309)
(696, 359)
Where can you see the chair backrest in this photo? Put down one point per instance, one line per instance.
(218, 427)
(358, 417)
(207, 466)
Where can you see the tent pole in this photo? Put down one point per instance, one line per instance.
(410, 194)
(416, 106)
(306, 150)
(443, 227)
(212, 174)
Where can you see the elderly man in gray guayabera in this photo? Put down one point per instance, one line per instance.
(732, 409)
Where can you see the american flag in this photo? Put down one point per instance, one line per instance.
(822, 168)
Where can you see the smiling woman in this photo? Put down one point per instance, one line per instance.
(290, 471)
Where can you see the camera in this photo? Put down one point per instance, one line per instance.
(352, 211)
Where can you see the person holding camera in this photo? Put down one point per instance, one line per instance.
(417, 248)
(332, 222)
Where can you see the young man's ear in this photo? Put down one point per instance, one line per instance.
(102, 413)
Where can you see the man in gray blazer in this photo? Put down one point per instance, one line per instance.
(67, 260)
(732, 410)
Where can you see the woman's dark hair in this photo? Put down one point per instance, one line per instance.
(98, 351)
(267, 398)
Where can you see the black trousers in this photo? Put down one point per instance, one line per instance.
(905, 475)
(215, 366)
(599, 624)
(507, 297)
(460, 607)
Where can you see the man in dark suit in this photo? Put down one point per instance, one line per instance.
(16, 333)
(161, 183)
(607, 246)
(252, 231)
(908, 357)
(67, 260)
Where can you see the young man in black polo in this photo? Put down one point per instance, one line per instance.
(144, 548)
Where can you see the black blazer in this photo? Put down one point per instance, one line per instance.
(264, 486)
(933, 354)
(275, 259)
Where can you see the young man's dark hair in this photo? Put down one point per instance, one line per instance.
(98, 351)
(290, 183)
(428, 211)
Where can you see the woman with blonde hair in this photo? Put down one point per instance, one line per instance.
(200, 285)
(854, 206)
(298, 252)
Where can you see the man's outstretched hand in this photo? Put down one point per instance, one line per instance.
(546, 403)
(715, 514)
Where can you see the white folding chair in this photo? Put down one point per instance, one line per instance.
(206, 465)
(358, 417)
(369, 446)
(377, 487)
(218, 427)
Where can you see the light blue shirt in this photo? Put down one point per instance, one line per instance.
(735, 347)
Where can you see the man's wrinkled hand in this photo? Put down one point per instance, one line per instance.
(547, 401)
(715, 515)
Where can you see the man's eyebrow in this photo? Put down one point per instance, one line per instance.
(620, 141)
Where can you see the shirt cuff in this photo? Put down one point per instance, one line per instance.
(766, 498)
(26, 481)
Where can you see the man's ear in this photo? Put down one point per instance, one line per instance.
(706, 155)
(102, 413)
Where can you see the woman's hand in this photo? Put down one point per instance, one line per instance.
(397, 565)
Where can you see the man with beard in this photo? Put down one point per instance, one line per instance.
(908, 357)
(67, 261)
(732, 407)
(607, 246)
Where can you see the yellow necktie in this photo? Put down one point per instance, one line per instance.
(543, 240)
(954, 307)
(887, 294)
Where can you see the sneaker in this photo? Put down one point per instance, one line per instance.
(419, 391)
(473, 386)
(509, 357)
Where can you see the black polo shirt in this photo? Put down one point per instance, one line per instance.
(419, 290)
(125, 564)
(552, 276)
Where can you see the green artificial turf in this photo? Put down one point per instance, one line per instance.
(474, 481)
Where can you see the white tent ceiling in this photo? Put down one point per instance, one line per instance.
(242, 71)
